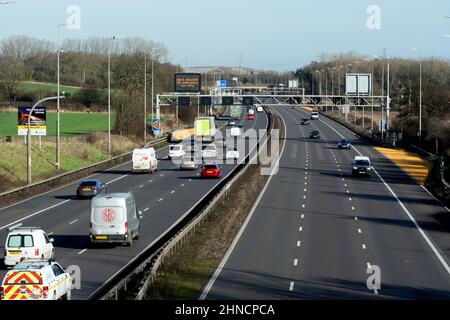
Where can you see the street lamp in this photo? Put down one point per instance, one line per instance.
(420, 92)
(29, 180)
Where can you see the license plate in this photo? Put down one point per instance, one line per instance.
(101, 237)
(209, 172)
(86, 189)
(14, 252)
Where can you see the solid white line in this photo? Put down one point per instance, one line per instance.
(424, 235)
(291, 286)
(82, 251)
(73, 221)
(244, 225)
(295, 262)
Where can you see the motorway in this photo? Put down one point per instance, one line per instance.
(315, 230)
(163, 197)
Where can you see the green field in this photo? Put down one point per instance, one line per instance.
(34, 86)
(72, 124)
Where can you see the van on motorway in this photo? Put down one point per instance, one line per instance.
(144, 160)
(114, 219)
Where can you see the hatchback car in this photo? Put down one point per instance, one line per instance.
(211, 171)
(90, 188)
(188, 163)
(344, 144)
(314, 134)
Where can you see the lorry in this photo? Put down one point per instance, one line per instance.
(235, 112)
(204, 129)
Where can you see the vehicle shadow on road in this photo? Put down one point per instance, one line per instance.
(76, 242)
(66, 197)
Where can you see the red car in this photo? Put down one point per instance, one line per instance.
(250, 117)
(211, 171)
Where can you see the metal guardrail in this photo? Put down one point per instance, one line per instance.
(155, 254)
(49, 184)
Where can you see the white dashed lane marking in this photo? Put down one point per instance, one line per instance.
(291, 286)
(73, 221)
(82, 251)
(299, 243)
(295, 262)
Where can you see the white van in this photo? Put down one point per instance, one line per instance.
(114, 219)
(23, 244)
(144, 160)
(176, 151)
(314, 115)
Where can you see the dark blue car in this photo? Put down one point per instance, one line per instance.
(90, 188)
(344, 144)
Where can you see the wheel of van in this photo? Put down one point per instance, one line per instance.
(68, 295)
(130, 242)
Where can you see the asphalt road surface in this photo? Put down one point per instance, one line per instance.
(163, 197)
(316, 230)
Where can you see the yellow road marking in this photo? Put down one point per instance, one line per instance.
(417, 167)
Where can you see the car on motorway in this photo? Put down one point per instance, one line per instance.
(144, 160)
(114, 219)
(90, 188)
(259, 108)
(305, 122)
(250, 117)
(188, 163)
(24, 243)
(232, 154)
(209, 151)
(361, 166)
(344, 144)
(314, 115)
(36, 280)
(211, 170)
(176, 151)
(315, 134)
(231, 123)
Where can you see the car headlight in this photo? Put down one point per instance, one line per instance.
(355, 168)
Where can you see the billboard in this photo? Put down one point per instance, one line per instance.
(357, 84)
(188, 82)
(38, 121)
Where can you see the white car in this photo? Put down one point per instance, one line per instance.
(176, 151)
(259, 109)
(36, 280)
(232, 154)
(209, 151)
(27, 243)
(314, 115)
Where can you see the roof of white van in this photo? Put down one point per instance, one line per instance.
(111, 197)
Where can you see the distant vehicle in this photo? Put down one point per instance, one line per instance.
(90, 188)
(27, 243)
(209, 151)
(259, 108)
(211, 171)
(114, 219)
(231, 123)
(232, 154)
(204, 129)
(250, 117)
(235, 132)
(314, 115)
(251, 112)
(188, 163)
(305, 122)
(344, 144)
(144, 160)
(314, 134)
(176, 151)
(361, 166)
(36, 280)
(235, 112)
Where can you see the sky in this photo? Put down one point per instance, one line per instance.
(276, 35)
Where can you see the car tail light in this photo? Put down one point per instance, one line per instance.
(36, 252)
(45, 292)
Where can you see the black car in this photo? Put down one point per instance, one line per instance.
(344, 144)
(361, 166)
(314, 134)
(90, 188)
(305, 122)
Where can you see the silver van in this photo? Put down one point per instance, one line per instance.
(114, 219)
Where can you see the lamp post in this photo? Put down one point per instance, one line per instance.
(29, 164)
(420, 92)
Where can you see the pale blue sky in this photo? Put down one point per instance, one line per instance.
(279, 35)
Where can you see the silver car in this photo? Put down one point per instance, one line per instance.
(188, 163)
